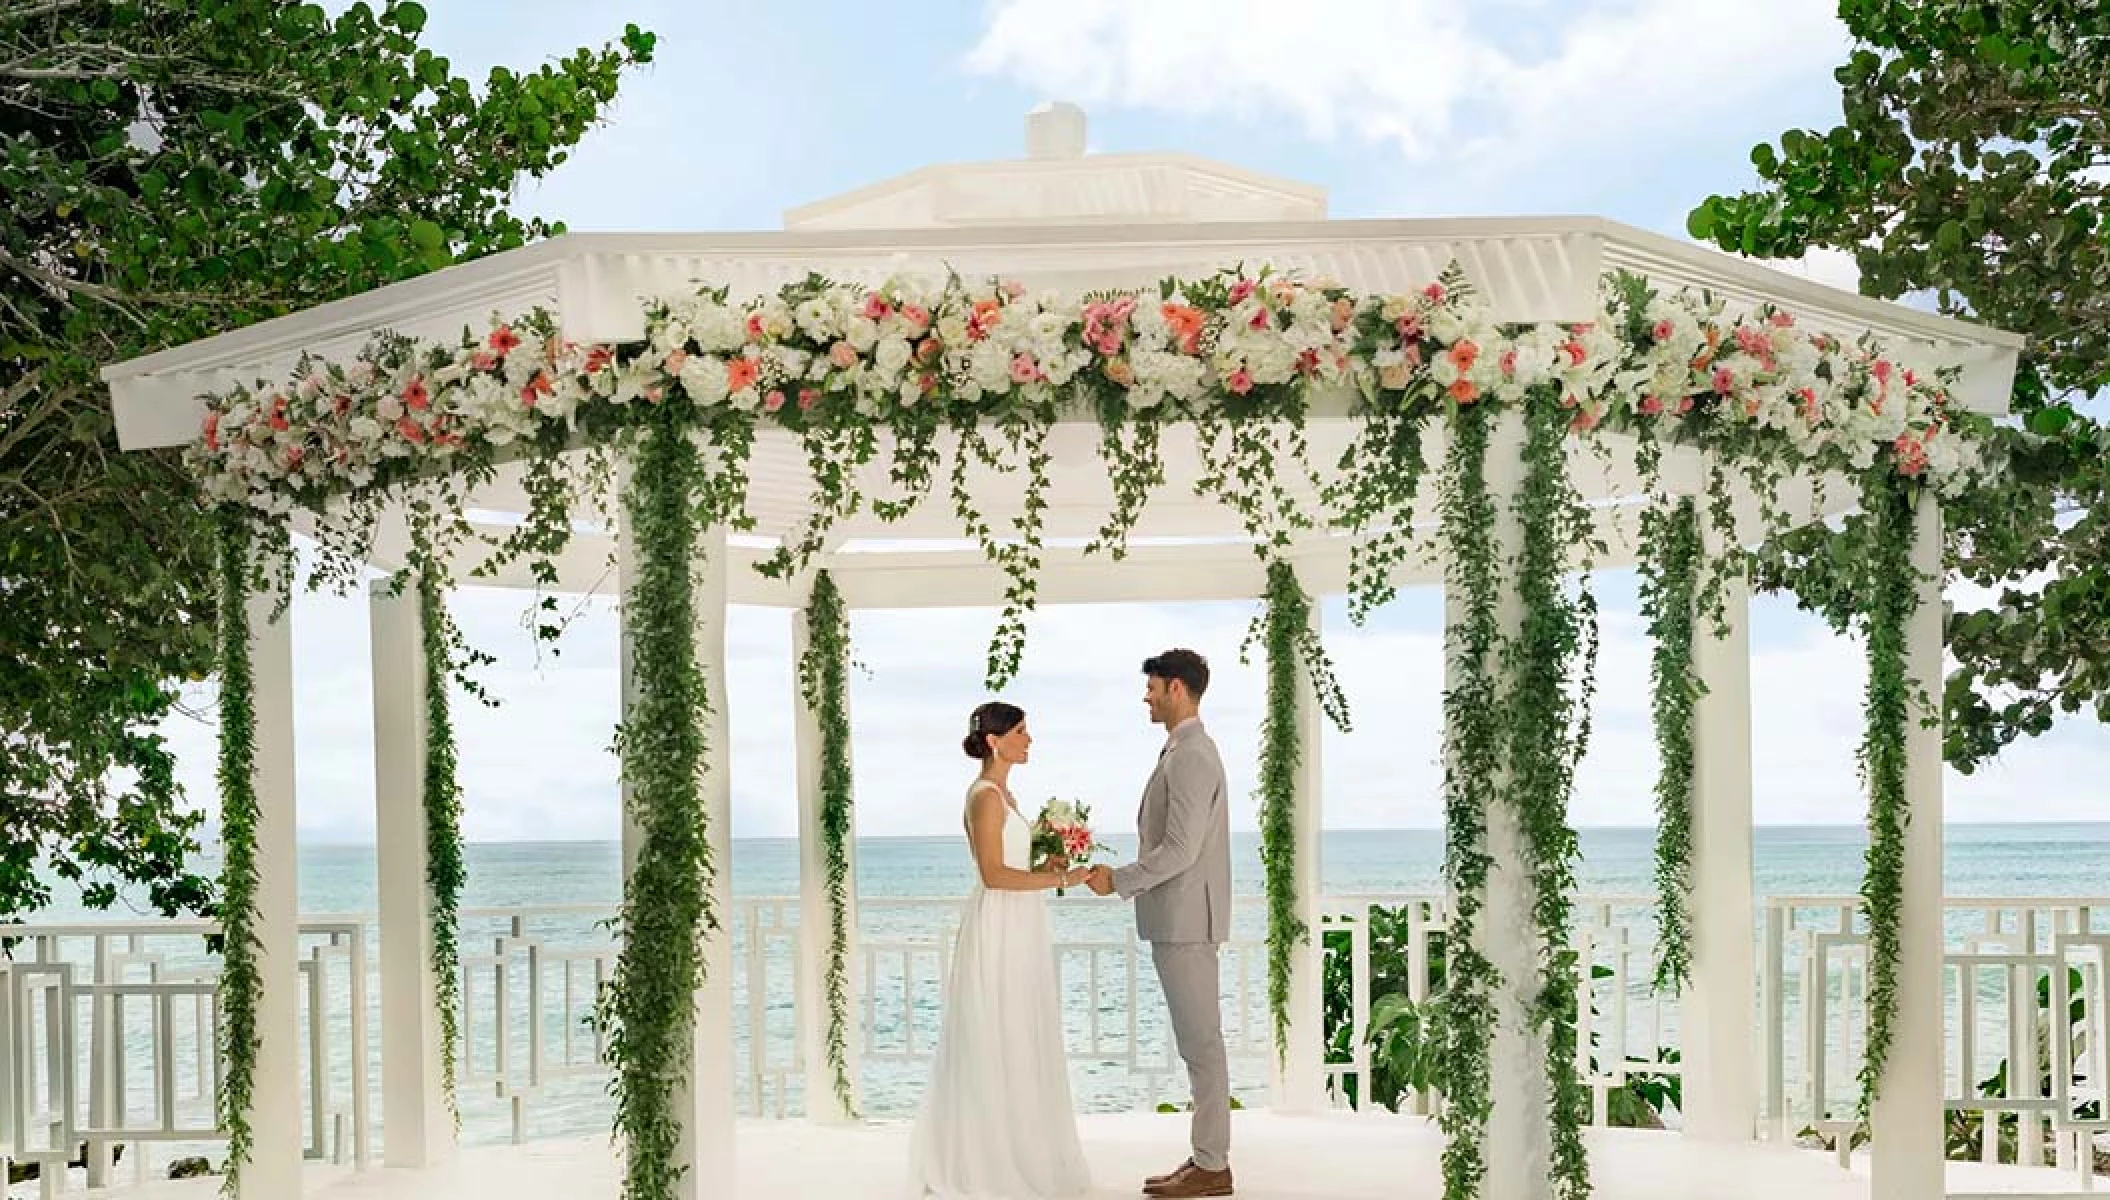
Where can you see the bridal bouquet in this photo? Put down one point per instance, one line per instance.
(1063, 831)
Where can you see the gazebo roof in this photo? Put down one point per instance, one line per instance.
(1063, 220)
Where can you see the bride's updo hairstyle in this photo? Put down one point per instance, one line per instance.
(994, 719)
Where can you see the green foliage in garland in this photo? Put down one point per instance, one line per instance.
(824, 684)
(1285, 626)
(1548, 668)
(648, 1009)
(1471, 765)
(1891, 592)
(446, 870)
(1669, 567)
(240, 981)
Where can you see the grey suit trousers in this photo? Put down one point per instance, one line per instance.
(1188, 974)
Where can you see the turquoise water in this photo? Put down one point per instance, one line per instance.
(1981, 860)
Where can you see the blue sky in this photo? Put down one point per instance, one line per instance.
(1632, 110)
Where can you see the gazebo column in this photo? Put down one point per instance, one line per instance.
(822, 1104)
(704, 1108)
(1519, 1143)
(1905, 1123)
(417, 1124)
(274, 1117)
(1720, 1029)
(1300, 1080)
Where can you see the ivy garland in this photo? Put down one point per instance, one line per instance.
(824, 684)
(1287, 630)
(1891, 586)
(1548, 667)
(446, 868)
(647, 1010)
(1471, 765)
(240, 981)
(1669, 569)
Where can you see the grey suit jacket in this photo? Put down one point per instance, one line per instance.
(1181, 879)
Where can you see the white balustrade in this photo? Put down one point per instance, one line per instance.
(108, 1030)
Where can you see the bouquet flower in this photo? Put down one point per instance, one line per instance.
(1063, 833)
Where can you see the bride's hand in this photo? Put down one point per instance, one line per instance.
(1075, 875)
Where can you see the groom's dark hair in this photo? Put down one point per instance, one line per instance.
(1191, 670)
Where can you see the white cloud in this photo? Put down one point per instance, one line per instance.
(1431, 77)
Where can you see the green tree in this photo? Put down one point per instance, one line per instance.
(171, 169)
(1973, 168)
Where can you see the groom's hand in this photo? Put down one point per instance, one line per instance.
(1101, 880)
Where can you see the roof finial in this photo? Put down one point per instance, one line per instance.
(1055, 130)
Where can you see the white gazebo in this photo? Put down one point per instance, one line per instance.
(1063, 219)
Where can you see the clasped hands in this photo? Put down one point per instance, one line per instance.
(1099, 877)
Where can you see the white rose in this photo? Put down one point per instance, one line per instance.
(891, 357)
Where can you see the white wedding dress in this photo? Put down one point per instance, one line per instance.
(996, 1121)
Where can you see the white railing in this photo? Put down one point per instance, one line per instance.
(109, 1043)
(106, 1030)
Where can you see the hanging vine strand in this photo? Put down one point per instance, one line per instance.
(240, 983)
(1285, 617)
(446, 867)
(824, 684)
(1669, 567)
(647, 1011)
(1891, 587)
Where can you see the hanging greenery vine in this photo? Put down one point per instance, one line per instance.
(1669, 569)
(446, 867)
(1288, 630)
(1890, 585)
(1471, 767)
(648, 1010)
(824, 684)
(1548, 672)
(240, 981)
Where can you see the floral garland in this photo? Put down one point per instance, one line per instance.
(1236, 354)
(1669, 567)
(240, 983)
(647, 1011)
(824, 685)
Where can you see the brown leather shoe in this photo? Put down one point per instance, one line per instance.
(1169, 1176)
(1191, 1181)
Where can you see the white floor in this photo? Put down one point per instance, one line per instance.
(1334, 1157)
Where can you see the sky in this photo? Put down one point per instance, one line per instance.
(1397, 108)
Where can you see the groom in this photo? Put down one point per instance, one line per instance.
(1181, 883)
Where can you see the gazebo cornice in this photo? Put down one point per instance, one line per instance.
(1531, 268)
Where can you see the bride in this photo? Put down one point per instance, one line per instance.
(996, 1121)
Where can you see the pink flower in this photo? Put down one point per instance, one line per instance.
(1663, 330)
(676, 361)
(843, 355)
(1724, 381)
(1014, 289)
(1241, 291)
(918, 318)
(1240, 382)
(411, 430)
(599, 359)
(755, 332)
(741, 373)
(415, 397)
(808, 397)
(1261, 319)
(774, 401)
(1024, 369)
(1577, 353)
(293, 456)
(537, 387)
(1911, 453)
(1754, 342)
(1782, 320)
(1307, 362)
(1584, 419)
(1652, 406)
(502, 340)
(483, 360)
(1881, 369)
(1463, 354)
(212, 429)
(1465, 391)
(278, 422)
(1810, 411)
(1186, 322)
(1343, 313)
(1434, 292)
(341, 405)
(1409, 327)
(1507, 364)
(986, 316)
(876, 306)
(1684, 405)
(928, 350)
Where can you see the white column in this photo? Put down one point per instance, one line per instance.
(704, 1109)
(417, 1124)
(1519, 1143)
(1905, 1124)
(1717, 1012)
(815, 929)
(1300, 1083)
(274, 1170)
